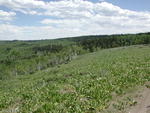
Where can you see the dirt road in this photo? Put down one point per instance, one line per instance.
(143, 105)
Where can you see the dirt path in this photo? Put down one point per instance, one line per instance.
(143, 105)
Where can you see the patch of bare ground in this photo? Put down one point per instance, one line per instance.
(143, 105)
(135, 101)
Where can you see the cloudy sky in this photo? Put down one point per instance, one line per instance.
(49, 19)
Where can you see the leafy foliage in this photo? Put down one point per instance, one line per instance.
(28, 57)
(54, 75)
(86, 84)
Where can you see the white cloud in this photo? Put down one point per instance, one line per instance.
(6, 16)
(12, 32)
(22, 4)
(75, 17)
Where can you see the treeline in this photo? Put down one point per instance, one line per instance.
(114, 41)
(30, 60)
(28, 57)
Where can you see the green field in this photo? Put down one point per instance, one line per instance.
(86, 84)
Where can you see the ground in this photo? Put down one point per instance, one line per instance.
(108, 81)
(143, 102)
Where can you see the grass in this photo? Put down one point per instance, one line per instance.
(86, 84)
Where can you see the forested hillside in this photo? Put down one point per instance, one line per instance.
(28, 57)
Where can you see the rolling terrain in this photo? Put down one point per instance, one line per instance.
(93, 82)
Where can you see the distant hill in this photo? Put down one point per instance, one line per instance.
(27, 57)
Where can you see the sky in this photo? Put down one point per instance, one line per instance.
(50, 19)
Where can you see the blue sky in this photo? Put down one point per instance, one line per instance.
(48, 19)
(137, 5)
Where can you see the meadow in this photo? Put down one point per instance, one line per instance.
(86, 84)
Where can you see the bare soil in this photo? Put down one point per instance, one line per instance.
(143, 102)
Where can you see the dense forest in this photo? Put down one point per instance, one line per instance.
(27, 57)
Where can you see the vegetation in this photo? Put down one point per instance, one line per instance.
(19, 58)
(28, 57)
(115, 41)
(86, 84)
(63, 76)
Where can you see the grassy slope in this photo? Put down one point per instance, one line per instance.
(86, 84)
